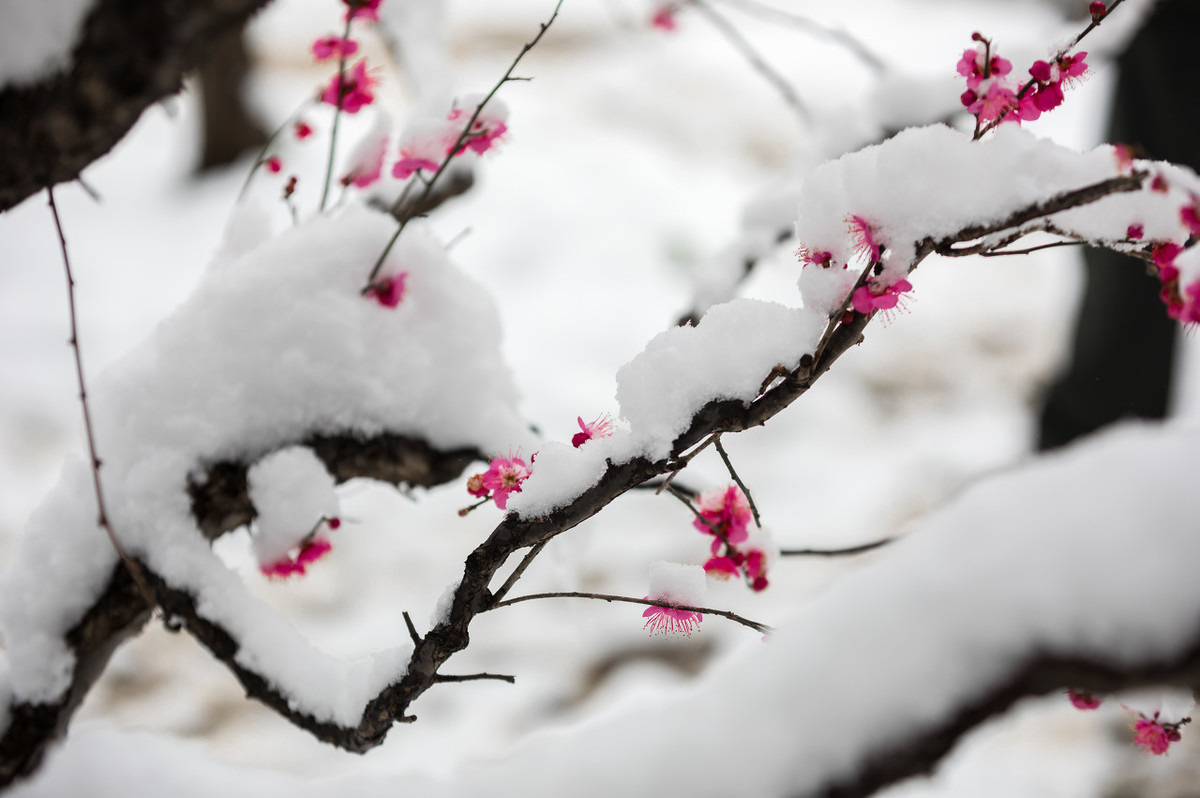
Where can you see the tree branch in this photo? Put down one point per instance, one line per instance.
(130, 55)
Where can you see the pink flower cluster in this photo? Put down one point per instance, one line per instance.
(1182, 301)
(425, 144)
(725, 514)
(1154, 736)
(504, 475)
(296, 562)
(993, 94)
(351, 91)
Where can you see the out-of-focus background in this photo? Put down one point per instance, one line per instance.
(630, 158)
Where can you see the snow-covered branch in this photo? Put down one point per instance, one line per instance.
(128, 56)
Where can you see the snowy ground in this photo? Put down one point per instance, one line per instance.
(629, 160)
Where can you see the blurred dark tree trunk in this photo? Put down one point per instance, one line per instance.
(229, 128)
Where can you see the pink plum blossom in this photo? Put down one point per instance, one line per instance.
(997, 100)
(722, 568)
(862, 235)
(600, 428)
(1097, 10)
(302, 129)
(1190, 215)
(388, 291)
(664, 18)
(489, 125)
(328, 47)
(309, 552)
(362, 9)
(1083, 700)
(670, 621)
(727, 511)
(815, 257)
(876, 296)
(1153, 736)
(504, 476)
(356, 89)
(274, 164)
(1135, 232)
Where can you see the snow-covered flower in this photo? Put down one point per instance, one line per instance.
(296, 564)
(302, 129)
(663, 18)
(366, 160)
(863, 238)
(489, 125)
(672, 583)
(875, 295)
(356, 89)
(600, 428)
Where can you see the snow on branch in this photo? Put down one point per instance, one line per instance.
(129, 56)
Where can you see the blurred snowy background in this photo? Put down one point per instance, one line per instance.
(630, 158)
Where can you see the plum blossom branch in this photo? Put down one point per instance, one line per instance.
(337, 113)
(423, 197)
(755, 625)
(134, 569)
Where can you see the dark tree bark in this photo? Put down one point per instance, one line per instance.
(132, 53)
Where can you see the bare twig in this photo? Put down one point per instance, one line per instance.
(135, 570)
(412, 630)
(743, 46)
(835, 552)
(458, 144)
(755, 625)
(516, 574)
(733, 473)
(839, 35)
(337, 111)
(475, 677)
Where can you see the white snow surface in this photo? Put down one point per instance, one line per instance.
(36, 38)
(1062, 557)
(198, 391)
(676, 583)
(935, 181)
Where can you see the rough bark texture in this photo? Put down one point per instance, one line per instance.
(132, 53)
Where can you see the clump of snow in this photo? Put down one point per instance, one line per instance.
(677, 583)
(37, 38)
(726, 356)
(933, 181)
(291, 492)
(273, 346)
(441, 610)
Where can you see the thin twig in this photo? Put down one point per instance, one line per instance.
(716, 530)
(337, 112)
(743, 46)
(835, 552)
(738, 480)
(755, 625)
(681, 463)
(998, 253)
(260, 159)
(458, 144)
(840, 35)
(515, 575)
(412, 630)
(134, 569)
(474, 677)
(91, 192)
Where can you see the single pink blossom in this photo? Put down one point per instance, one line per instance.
(310, 551)
(1164, 253)
(876, 296)
(722, 568)
(407, 166)
(1135, 232)
(362, 9)
(388, 291)
(504, 476)
(1153, 736)
(356, 89)
(366, 161)
(726, 510)
(664, 18)
(1072, 66)
(274, 164)
(475, 486)
(328, 47)
(996, 101)
(489, 126)
(600, 428)
(863, 236)
(670, 621)
(1083, 700)
(1098, 10)
(1040, 71)
(1048, 97)
(815, 257)
(1124, 155)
